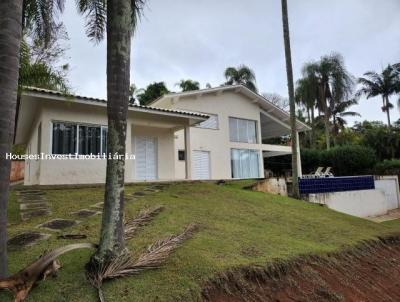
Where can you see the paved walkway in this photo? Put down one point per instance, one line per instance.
(391, 215)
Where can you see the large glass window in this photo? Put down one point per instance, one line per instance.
(242, 131)
(245, 163)
(89, 140)
(64, 138)
(69, 138)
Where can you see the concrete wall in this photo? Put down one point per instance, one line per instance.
(365, 203)
(217, 142)
(389, 185)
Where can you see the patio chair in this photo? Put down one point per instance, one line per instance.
(317, 173)
(328, 172)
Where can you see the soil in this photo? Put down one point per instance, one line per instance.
(26, 215)
(370, 272)
(25, 239)
(72, 236)
(58, 224)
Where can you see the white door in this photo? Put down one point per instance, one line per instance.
(201, 165)
(145, 158)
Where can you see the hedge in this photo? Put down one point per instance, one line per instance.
(345, 160)
(388, 167)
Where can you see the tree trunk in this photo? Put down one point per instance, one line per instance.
(326, 117)
(10, 39)
(119, 32)
(387, 111)
(289, 72)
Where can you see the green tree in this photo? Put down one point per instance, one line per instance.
(334, 84)
(242, 75)
(384, 84)
(188, 85)
(117, 18)
(292, 105)
(339, 113)
(306, 94)
(38, 16)
(152, 92)
(134, 93)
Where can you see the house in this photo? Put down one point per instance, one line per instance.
(208, 134)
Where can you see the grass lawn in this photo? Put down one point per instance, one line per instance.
(238, 228)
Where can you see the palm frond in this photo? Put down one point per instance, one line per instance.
(95, 12)
(124, 265)
(140, 221)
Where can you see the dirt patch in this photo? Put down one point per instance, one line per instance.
(139, 194)
(84, 213)
(58, 224)
(369, 272)
(25, 240)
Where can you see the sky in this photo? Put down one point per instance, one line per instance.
(198, 39)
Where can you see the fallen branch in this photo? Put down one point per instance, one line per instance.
(140, 221)
(124, 265)
(22, 282)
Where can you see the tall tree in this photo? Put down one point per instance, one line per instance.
(339, 113)
(119, 19)
(241, 75)
(384, 84)
(292, 105)
(306, 94)
(152, 92)
(188, 85)
(38, 16)
(334, 82)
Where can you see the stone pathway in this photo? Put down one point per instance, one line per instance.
(391, 215)
(25, 240)
(58, 224)
(33, 203)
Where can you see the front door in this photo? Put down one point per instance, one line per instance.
(145, 158)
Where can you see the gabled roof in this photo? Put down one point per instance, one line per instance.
(34, 90)
(256, 98)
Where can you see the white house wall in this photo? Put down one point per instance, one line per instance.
(217, 142)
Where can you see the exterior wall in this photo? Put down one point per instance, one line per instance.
(217, 142)
(365, 203)
(32, 167)
(389, 185)
(89, 171)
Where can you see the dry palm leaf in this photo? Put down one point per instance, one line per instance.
(124, 265)
(21, 283)
(140, 221)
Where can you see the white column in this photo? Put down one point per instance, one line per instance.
(188, 154)
(300, 172)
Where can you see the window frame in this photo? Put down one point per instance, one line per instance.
(237, 136)
(77, 124)
(248, 151)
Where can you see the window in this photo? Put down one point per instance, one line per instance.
(242, 131)
(181, 154)
(69, 138)
(89, 140)
(64, 138)
(210, 123)
(245, 163)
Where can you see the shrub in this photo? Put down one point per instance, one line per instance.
(388, 167)
(345, 160)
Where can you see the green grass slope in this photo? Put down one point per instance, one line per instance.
(238, 228)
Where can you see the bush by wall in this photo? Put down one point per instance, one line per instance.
(345, 160)
(388, 167)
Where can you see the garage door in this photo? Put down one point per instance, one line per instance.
(146, 158)
(201, 165)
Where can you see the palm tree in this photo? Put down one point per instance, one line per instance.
(339, 112)
(188, 85)
(334, 83)
(384, 84)
(306, 94)
(242, 75)
(38, 16)
(292, 105)
(134, 94)
(119, 19)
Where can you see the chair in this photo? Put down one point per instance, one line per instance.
(328, 172)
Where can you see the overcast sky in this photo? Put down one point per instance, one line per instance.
(198, 39)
